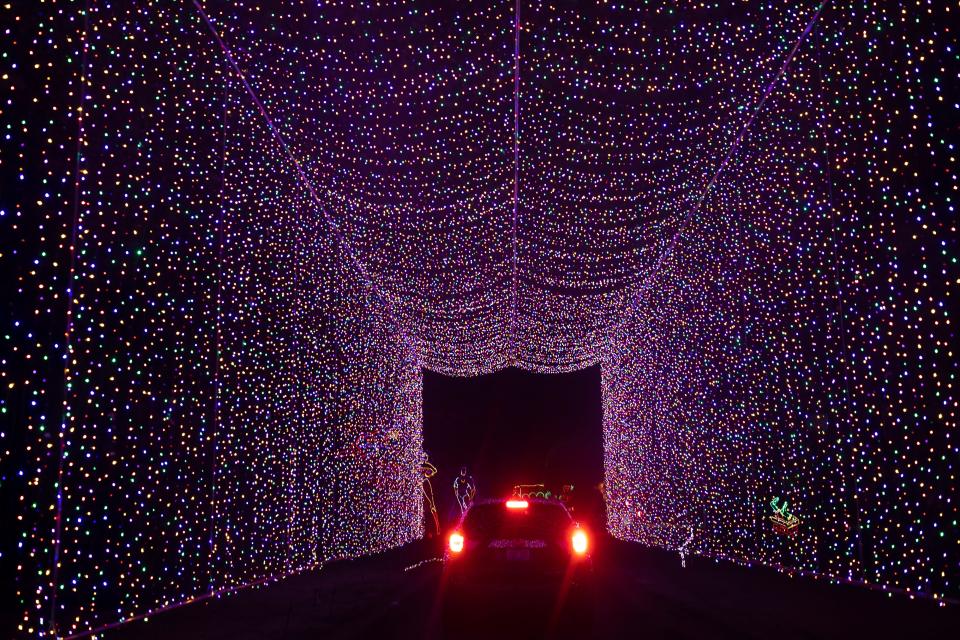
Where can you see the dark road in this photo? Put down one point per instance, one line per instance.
(641, 593)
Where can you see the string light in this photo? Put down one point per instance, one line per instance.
(797, 340)
(227, 273)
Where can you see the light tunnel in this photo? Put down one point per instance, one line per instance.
(238, 232)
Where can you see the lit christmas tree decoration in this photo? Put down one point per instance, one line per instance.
(234, 235)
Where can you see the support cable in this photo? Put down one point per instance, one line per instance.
(352, 258)
(671, 245)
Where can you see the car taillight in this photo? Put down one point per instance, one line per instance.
(579, 542)
(456, 543)
(517, 504)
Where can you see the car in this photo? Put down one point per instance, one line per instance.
(525, 554)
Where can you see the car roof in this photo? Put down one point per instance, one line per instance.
(551, 502)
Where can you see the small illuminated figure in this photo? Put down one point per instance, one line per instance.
(427, 470)
(685, 549)
(784, 522)
(465, 489)
(566, 491)
(530, 491)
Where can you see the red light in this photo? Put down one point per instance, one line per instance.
(517, 504)
(456, 542)
(579, 542)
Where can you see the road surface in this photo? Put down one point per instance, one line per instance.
(641, 593)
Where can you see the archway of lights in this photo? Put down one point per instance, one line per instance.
(237, 231)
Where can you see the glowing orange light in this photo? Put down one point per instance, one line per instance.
(456, 543)
(517, 504)
(579, 540)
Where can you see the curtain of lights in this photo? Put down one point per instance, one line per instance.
(225, 413)
(236, 232)
(797, 344)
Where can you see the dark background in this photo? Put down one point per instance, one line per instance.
(513, 427)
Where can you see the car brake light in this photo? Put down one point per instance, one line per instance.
(517, 504)
(456, 543)
(579, 541)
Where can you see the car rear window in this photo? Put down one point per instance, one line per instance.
(497, 521)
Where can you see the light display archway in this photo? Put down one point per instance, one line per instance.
(242, 229)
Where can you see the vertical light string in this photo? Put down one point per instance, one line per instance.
(218, 320)
(516, 184)
(68, 335)
(854, 493)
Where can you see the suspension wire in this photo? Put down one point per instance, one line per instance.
(731, 151)
(368, 281)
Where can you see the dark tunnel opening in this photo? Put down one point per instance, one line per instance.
(514, 427)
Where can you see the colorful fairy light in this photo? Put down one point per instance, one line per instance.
(236, 235)
(797, 339)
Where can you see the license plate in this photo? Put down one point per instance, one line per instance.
(517, 544)
(517, 555)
